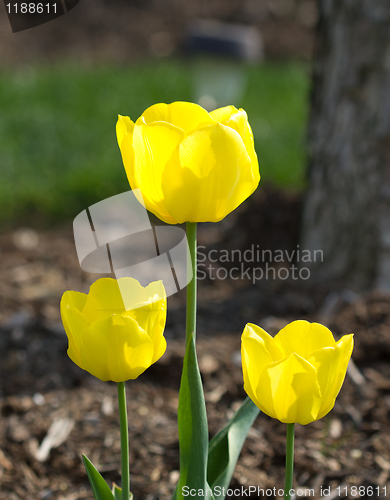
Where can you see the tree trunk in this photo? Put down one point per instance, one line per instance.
(347, 207)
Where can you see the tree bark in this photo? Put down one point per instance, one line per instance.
(346, 211)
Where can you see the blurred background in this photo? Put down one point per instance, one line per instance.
(314, 78)
(68, 80)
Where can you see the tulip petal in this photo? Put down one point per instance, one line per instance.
(222, 115)
(185, 115)
(124, 126)
(237, 119)
(73, 299)
(136, 296)
(104, 299)
(289, 388)
(116, 348)
(304, 338)
(245, 360)
(124, 134)
(214, 176)
(255, 331)
(154, 146)
(255, 356)
(331, 365)
(152, 316)
(74, 323)
(152, 319)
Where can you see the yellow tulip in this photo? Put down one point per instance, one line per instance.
(296, 376)
(190, 165)
(107, 340)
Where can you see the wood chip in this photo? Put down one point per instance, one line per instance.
(4, 462)
(354, 414)
(382, 462)
(216, 394)
(208, 364)
(107, 406)
(174, 476)
(356, 376)
(56, 435)
(378, 379)
(31, 481)
(335, 429)
(17, 431)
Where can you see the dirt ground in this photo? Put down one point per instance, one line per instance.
(44, 394)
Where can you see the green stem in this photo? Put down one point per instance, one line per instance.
(289, 461)
(191, 287)
(124, 441)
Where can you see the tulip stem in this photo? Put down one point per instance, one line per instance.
(191, 287)
(124, 441)
(289, 461)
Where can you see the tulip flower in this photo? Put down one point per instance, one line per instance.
(107, 340)
(296, 376)
(190, 165)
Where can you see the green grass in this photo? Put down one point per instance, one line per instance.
(277, 104)
(58, 150)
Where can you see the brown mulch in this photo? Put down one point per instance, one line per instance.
(41, 388)
(350, 446)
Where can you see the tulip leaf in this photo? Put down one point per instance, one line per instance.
(101, 490)
(225, 447)
(193, 430)
(117, 492)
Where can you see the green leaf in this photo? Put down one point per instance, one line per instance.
(117, 492)
(101, 490)
(225, 447)
(193, 430)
